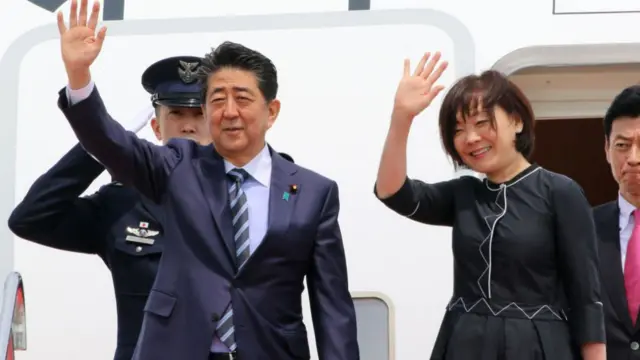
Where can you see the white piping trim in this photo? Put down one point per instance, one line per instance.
(492, 227)
(460, 300)
(414, 210)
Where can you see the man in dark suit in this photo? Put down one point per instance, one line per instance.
(246, 226)
(125, 230)
(619, 229)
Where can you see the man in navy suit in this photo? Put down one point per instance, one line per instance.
(244, 226)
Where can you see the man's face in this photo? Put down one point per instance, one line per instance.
(623, 154)
(180, 122)
(238, 113)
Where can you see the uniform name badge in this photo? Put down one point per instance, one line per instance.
(141, 234)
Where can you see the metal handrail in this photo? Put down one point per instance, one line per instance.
(13, 321)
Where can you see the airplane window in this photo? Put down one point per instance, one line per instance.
(374, 314)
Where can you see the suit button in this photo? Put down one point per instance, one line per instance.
(139, 248)
(215, 317)
(635, 345)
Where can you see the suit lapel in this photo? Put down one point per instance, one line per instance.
(282, 199)
(212, 180)
(281, 202)
(611, 262)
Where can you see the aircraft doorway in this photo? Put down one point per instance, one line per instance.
(569, 103)
(575, 148)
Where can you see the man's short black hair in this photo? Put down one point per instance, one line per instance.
(233, 55)
(625, 104)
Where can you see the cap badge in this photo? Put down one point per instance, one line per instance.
(186, 71)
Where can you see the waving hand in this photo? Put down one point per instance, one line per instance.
(416, 91)
(79, 43)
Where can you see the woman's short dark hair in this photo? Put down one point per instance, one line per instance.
(489, 89)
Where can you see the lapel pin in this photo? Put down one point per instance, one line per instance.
(285, 196)
(293, 188)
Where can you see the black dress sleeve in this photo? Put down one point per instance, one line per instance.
(432, 204)
(578, 261)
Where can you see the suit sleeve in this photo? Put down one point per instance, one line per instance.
(578, 261)
(53, 214)
(432, 204)
(334, 317)
(130, 160)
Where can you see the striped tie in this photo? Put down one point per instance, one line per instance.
(240, 213)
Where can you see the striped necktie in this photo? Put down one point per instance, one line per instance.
(240, 213)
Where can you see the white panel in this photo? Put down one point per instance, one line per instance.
(595, 6)
(375, 327)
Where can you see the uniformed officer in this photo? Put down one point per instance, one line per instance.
(115, 223)
(176, 98)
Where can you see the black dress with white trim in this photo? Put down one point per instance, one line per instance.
(526, 283)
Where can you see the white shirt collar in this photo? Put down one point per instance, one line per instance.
(259, 167)
(626, 209)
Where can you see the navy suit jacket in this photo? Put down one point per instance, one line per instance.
(621, 333)
(197, 276)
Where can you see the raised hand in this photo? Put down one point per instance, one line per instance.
(416, 92)
(80, 45)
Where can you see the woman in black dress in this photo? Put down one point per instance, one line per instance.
(526, 283)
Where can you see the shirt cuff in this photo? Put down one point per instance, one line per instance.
(75, 96)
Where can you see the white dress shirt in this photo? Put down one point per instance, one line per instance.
(256, 188)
